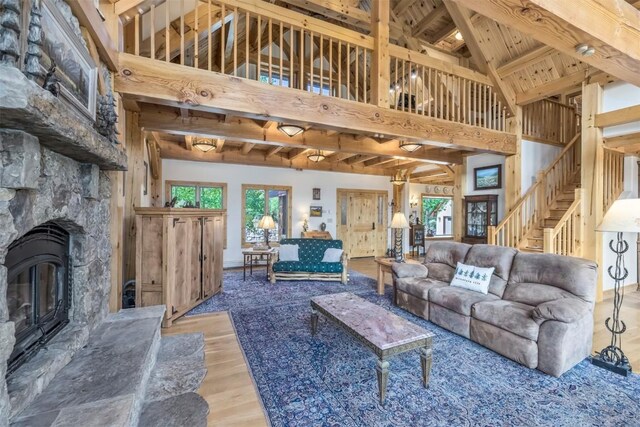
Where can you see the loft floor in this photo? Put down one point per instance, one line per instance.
(234, 401)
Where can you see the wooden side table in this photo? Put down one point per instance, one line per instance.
(255, 257)
(384, 266)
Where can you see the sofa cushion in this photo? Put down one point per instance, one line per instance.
(538, 278)
(289, 252)
(307, 267)
(442, 257)
(508, 315)
(418, 286)
(409, 269)
(312, 250)
(458, 299)
(332, 255)
(567, 310)
(499, 257)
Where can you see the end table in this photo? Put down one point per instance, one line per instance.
(259, 257)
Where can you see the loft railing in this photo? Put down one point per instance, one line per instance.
(550, 122)
(613, 177)
(566, 237)
(425, 86)
(530, 209)
(264, 42)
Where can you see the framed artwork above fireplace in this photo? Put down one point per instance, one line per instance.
(75, 70)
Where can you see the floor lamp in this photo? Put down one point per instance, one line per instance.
(398, 224)
(623, 216)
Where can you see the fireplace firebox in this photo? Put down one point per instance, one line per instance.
(38, 291)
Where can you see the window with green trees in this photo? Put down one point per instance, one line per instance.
(203, 195)
(437, 216)
(260, 200)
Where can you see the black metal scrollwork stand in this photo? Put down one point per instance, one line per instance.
(612, 357)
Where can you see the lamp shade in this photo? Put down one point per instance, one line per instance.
(266, 223)
(399, 221)
(623, 216)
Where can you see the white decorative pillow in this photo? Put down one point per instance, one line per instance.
(332, 255)
(288, 253)
(475, 279)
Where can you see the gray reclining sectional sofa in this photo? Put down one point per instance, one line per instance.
(538, 312)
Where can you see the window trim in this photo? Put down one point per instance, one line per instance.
(243, 192)
(198, 184)
(438, 196)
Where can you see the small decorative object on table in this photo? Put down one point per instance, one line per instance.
(399, 223)
(624, 216)
(305, 224)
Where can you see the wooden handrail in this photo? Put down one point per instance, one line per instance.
(529, 210)
(550, 122)
(566, 237)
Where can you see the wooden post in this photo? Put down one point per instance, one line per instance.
(460, 185)
(491, 235)
(547, 242)
(380, 72)
(513, 164)
(592, 169)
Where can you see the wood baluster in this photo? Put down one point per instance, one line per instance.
(152, 32)
(210, 34)
(167, 42)
(136, 35)
(196, 38)
(281, 54)
(340, 69)
(330, 47)
(181, 32)
(291, 62)
(223, 15)
(270, 49)
(357, 82)
(247, 37)
(235, 41)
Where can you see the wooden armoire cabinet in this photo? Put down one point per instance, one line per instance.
(179, 256)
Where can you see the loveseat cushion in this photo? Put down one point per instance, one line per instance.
(307, 267)
(442, 257)
(458, 299)
(418, 286)
(498, 257)
(538, 278)
(511, 316)
(312, 250)
(409, 269)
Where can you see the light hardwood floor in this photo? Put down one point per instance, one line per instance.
(233, 399)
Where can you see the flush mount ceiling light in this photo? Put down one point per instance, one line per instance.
(290, 130)
(316, 156)
(204, 144)
(585, 50)
(409, 146)
(458, 35)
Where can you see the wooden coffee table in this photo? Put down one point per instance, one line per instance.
(383, 332)
(384, 266)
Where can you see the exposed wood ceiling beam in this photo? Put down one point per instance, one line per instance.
(274, 150)
(153, 141)
(337, 9)
(442, 34)
(462, 18)
(618, 117)
(402, 5)
(188, 142)
(295, 153)
(532, 57)
(170, 150)
(612, 27)
(247, 147)
(621, 141)
(560, 85)
(219, 145)
(360, 158)
(339, 157)
(429, 19)
(428, 173)
(159, 82)
(167, 120)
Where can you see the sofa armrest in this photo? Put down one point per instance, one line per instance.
(566, 310)
(401, 270)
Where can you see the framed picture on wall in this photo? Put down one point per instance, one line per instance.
(316, 194)
(315, 211)
(487, 177)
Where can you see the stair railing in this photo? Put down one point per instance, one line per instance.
(613, 177)
(529, 211)
(566, 237)
(550, 122)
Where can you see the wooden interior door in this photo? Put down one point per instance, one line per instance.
(212, 248)
(362, 222)
(183, 255)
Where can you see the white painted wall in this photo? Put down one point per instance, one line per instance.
(482, 160)
(302, 183)
(621, 95)
(535, 158)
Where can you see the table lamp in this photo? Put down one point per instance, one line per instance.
(399, 223)
(622, 217)
(266, 223)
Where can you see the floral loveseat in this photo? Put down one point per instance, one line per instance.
(310, 265)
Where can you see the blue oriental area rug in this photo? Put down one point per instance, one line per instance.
(329, 379)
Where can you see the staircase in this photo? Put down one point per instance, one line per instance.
(547, 217)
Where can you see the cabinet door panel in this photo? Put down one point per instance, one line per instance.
(218, 251)
(212, 246)
(195, 269)
(178, 263)
(151, 250)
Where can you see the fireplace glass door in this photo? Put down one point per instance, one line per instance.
(38, 289)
